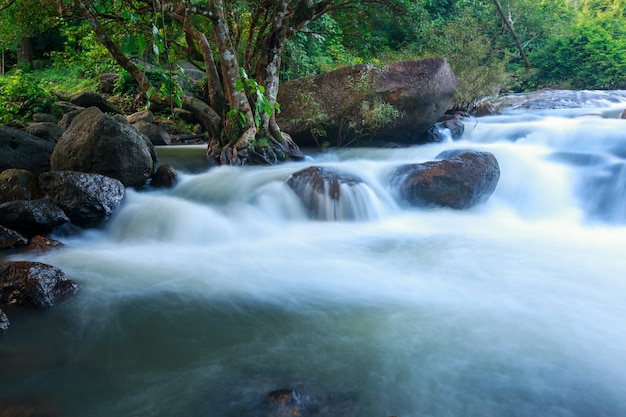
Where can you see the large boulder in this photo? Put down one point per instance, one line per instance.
(33, 284)
(96, 143)
(18, 184)
(397, 103)
(87, 199)
(19, 149)
(328, 194)
(462, 180)
(32, 217)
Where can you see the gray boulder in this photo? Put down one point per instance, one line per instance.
(462, 180)
(88, 99)
(156, 133)
(87, 199)
(96, 143)
(32, 217)
(45, 130)
(397, 103)
(33, 284)
(19, 149)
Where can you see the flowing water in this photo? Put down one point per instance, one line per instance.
(200, 300)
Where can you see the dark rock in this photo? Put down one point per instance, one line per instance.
(289, 403)
(107, 82)
(460, 181)
(87, 199)
(144, 115)
(11, 239)
(485, 109)
(44, 118)
(33, 284)
(42, 244)
(32, 217)
(19, 149)
(16, 124)
(18, 184)
(452, 129)
(323, 192)
(156, 133)
(4, 324)
(397, 103)
(45, 130)
(623, 115)
(88, 99)
(67, 107)
(24, 411)
(67, 118)
(96, 143)
(164, 177)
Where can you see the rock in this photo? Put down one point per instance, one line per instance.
(96, 143)
(88, 99)
(485, 109)
(24, 411)
(144, 115)
(32, 217)
(87, 199)
(18, 184)
(327, 194)
(67, 107)
(19, 149)
(461, 181)
(44, 118)
(157, 134)
(164, 177)
(452, 128)
(11, 239)
(623, 115)
(33, 284)
(67, 118)
(45, 130)
(289, 403)
(397, 103)
(42, 244)
(107, 82)
(4, 322)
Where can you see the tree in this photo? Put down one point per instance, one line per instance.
(241, 45)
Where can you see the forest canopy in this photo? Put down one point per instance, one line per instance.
(245, 49)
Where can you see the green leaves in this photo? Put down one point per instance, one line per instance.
(262, 103)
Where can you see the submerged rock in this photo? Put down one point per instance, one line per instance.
(164, 177)
(463, 180)
(32, 217)
(289, 403)
(43, 244)
(87, 199)
(96, 143)
(328, 194)
(4, 322)
(33, 284)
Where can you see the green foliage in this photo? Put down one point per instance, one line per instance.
(380, 115)
(22, 95)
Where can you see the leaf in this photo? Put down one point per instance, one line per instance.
(142, 44)
(129, 45)
(155, 49)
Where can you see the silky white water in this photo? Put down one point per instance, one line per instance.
(200, 300)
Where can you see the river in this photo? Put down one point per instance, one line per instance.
(202, 299)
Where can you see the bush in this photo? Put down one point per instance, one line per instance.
(22, 95)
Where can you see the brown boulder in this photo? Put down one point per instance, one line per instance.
(463, 180)
(33, 284)
(18, 184)
(164, 177)
(397, 103)
(43, 244)
(96, 143)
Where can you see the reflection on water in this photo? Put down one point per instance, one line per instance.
(200, 300)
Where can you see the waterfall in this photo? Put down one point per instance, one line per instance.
(203, 299)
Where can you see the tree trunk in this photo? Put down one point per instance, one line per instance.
(508, 24)
(25, 53)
